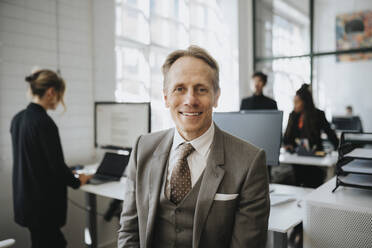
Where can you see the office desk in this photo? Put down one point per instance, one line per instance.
(114, 190)
(328, 162)
(341, 219)
(284, 217)
(358, 138)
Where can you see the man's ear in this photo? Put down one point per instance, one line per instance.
(216, 97)
(165, 96)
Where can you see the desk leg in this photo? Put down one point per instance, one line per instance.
(91, 203)
(330, 173)
(280, 240)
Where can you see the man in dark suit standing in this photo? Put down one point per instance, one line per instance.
(258, 100)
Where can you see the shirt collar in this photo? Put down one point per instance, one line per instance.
(201, 144)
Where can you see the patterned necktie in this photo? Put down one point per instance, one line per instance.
(180, 183)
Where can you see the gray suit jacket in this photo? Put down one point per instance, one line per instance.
(233, 167)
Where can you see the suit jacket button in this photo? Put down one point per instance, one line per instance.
(178, 211)
(178, 230)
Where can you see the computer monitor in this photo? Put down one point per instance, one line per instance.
(117, 125)
(347, 123)
(261, 128)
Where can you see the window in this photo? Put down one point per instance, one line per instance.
(286, 76)
(148, 30)
(333, 60)
(283, 31)
(282, 28)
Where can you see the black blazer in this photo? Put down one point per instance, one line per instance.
(258, 102)
(318, 122)
(40, 175)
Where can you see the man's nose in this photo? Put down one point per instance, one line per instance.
(191, 98)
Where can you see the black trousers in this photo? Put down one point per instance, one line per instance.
(47, 236)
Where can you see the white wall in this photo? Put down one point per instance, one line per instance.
(229, 73)
(28, 38)
(245, 43)
(340, 83)
(104, 50)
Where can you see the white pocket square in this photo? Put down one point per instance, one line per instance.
(225, 197)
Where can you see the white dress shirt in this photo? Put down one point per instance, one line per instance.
(197, 160)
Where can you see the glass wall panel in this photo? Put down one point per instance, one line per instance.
(132, 24)
(160, 115)
(132, 75)
(285, 77)
(338, 84)
(142, 5)
(168, 33)
(338, 80)
(172, 9)
(282, 28)
(148, 30)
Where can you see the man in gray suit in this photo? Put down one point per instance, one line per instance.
(194, 185)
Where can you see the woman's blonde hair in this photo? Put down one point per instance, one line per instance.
(41, 80)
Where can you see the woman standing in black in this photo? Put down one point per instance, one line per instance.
(307, 122)
(40, 175)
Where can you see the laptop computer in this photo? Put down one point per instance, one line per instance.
(111, 168)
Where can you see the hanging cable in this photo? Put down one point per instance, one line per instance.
(57, 38)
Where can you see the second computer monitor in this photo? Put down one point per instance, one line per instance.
(260, 128)
(347, 123)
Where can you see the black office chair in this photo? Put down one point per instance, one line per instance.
(114, 210)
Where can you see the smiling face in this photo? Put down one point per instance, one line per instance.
(190, 96)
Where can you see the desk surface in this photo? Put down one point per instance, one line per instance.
(328, 161)
(285, 216)
(344, 198)
(113, 190)
(359, 137)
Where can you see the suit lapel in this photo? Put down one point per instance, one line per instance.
(157, 166)
(212, 178)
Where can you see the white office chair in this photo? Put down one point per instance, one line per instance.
(7, 243)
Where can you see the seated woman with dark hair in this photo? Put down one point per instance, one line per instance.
(307, 122)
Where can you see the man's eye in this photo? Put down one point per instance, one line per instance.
(203, 90)
(179, 89)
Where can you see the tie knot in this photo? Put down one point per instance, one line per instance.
(185, 149)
